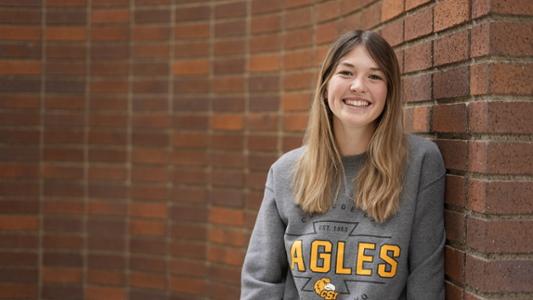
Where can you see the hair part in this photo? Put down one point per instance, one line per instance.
(319, 171)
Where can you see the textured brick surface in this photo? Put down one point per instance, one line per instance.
(136, 135)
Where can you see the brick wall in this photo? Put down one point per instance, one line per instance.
(135, 135)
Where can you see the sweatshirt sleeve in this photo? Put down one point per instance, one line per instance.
(265, 264)
(426, 261)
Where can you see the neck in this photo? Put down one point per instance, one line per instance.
(353, 141)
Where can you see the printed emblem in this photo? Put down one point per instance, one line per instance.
(325, 289)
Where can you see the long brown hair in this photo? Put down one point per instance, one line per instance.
(319, 171)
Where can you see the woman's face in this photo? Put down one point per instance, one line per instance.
(356, 91)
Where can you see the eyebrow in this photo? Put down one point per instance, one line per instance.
(352, 66)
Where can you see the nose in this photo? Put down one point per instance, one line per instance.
(357, 85)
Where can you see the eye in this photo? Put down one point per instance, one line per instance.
(375, 77)
(345, 73)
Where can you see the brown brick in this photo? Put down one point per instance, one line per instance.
(20, 67)
(227, 122)
(296, 101)
(451, 83)
(229, 66)
(261, 122)
(419, 24)
(500, 117)
(298, 38)
(190, 67)
(418, 57)
(417, 119)
(261, 7)
(449, 13)
(264, 43)
(391, 9)
(225, 255)
(110, 33)
(449, 118)
(190, 214)
(147, 228)
(105, 208)
(152, 16)
(227, 178)
(295, 122)
(263, 83)
(500, 236)
(453, 292)
(187, 285)
(194, 13)
(226, 216)
(230, 28)
(227, 160)
(226, 142)
(147, 280)
(60, 33)
(486, 196)
(230, 10)
(227, 236)
(519, 7)
(148, 210)
(265, 103)
(228, 84)
(299, 81)
(455, 226)
(455, 190)
(298, 18)
(454, 259)
(296, 3)
(393, 32)
(108, 16)
(151, 51)
(265, 24)
(264, 63)
(451, 48)
(191, 31)
(502, 38)
(501, 157)
(20, 33)
(111, 293)
(22, 223)
(151, 121)
(416, 88)
(147, 155)
(500, 276)
(371, 16)
(327, 11)
(326, 33)
(455, 153)
(410, 4)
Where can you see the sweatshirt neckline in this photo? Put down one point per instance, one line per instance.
(353, 159)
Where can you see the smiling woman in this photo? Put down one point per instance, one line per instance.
(357, 212)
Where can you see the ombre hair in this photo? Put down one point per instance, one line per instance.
(319, 171)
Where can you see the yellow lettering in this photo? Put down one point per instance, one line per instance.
(339, 268)
(324, 256)
(362, 258)
(384, 254)
(297, 257)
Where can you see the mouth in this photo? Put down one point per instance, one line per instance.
(360, 103)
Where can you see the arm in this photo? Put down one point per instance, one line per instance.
(265, 264)
(426, 261)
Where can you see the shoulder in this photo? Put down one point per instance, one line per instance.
(288, 160)
(425, 154)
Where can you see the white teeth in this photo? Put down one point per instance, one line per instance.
(357, 102)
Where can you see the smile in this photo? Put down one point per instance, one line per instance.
(356, 103)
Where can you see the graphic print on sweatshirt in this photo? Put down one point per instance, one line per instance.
(330, 258)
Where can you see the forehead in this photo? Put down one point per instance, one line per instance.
(358, 58)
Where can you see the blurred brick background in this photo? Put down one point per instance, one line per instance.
(135, 135)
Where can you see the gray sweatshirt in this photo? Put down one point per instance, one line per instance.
(342, 254)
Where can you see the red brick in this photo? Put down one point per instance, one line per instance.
(451, 48)
(451, 83)
(296, 3)
(107, 16)
(194, 13)
(371, 16)
(61, 275)
(264, 103)
(230, 10)
(417, 119)
(500, 236)
(148, 210)
(20, 33)
(228, 237)
(493, 157)
(500, 117)
(416, 88)
(455, 226)
(326, 33)
(230, 28)
(455, 153)
(23, 223)
(449, 118)
(18, 291)
(63, 207)
(295, 122)
(225, 255)
(453, 292)
(304, 80)
(109, 33)
(58, 33)
(228, 84)
(265, 24)
(111, 293)
(518, 7)
(227, 122)
(455, 190)
(261, 7)
(263, 83)
(298, 18)
(261, 122)
(147, 228)
(298, 38)
(228, 274)
(418, 57)
(264, 43)
(187, 285)
(147, 280)
(449, 13)
(227, 159)
(264, 63)
(96, 207)
(393, 32)
(410, 4)
(100, 277)
(226, 142)
(327, 11)
(20, 67)
(227, 178)
(500, 276)
(226, 216)
(191, 31)
(419, 24)
(391, 9)
(350, 22)
(485, 196)
(454, 259)
(297, 101)
(502, 38)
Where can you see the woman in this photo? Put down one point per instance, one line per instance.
(357, 212)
